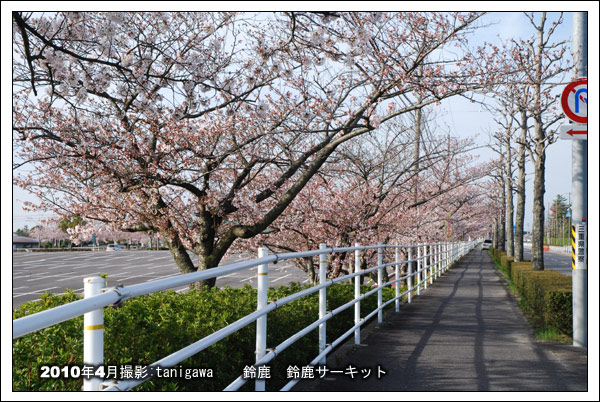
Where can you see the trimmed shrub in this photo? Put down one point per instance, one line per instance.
(506, 262)
(148, 328)
(559, 309)
(516, 271)
(495, 254)
(546, 295)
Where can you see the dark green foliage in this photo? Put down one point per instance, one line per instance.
(60, 344)
(23, 232)
(546, 296)
(559, 309)
(148, 328)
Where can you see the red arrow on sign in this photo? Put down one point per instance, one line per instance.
(574, 132)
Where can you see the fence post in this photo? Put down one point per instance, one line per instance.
(419, 265)
(397, 275)
(431, 263)
(439, 260)
(93, 332)
(434, 262)
(379, 282)
(261, 322)
(410, 280)
(425, 266)
(453, 252)
(357, 294)
(445, 256)
(322, 302)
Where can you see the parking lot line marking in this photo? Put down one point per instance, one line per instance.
(160, 258)
(138, 276)
(27, 276)
(69, 279)
(247, 279)
(161, 277)
(49, 276)
(281, 277)
(34, 292)
(136, 258)
(118, 274)
(226, 276)
(31, 261)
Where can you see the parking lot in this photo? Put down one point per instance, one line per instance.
(39, 272)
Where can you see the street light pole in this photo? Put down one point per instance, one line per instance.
(579, 190)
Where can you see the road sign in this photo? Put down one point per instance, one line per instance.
(573, 101)
(573, 132)
(579, 245)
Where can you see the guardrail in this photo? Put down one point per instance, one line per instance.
(431, 261)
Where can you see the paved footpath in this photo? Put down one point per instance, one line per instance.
(464, 333)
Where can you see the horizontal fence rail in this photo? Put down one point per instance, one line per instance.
(425, 263)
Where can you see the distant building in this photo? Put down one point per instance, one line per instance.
(24, 242)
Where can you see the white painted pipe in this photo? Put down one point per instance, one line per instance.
(322, 302)
(93, 332)
(261, 323)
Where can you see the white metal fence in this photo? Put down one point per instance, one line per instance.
(425, 262)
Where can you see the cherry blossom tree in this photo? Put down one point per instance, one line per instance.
(174, 123)
(48, 231)
(366, 195)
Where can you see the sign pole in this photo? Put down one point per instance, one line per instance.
(579, 190)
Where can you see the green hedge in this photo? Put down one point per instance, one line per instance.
(506, 262)
(546, 295)
(516, 273)
(148, 328)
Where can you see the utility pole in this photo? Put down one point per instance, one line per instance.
(579, 190)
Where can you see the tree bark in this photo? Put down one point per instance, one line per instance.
(537, 244)
(520, 190)
(509, 199)
(502, 218)
(495, 234)
(537, 238)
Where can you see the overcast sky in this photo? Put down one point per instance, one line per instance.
(455, 115)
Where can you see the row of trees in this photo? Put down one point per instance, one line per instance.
(558, 224)
(528, 112)
(75, 231)
(214, 128)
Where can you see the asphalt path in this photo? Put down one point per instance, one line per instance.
(38, 272)
(464, 333)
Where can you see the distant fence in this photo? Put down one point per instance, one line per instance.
(425, 263)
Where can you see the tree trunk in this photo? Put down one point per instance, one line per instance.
(495, 234)
(181, 257)
(310, 270)
(537, 242)
(537, 239)
(520, 190)
(502, 223)
(416, 156)
(385, 276)
(509, 200)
